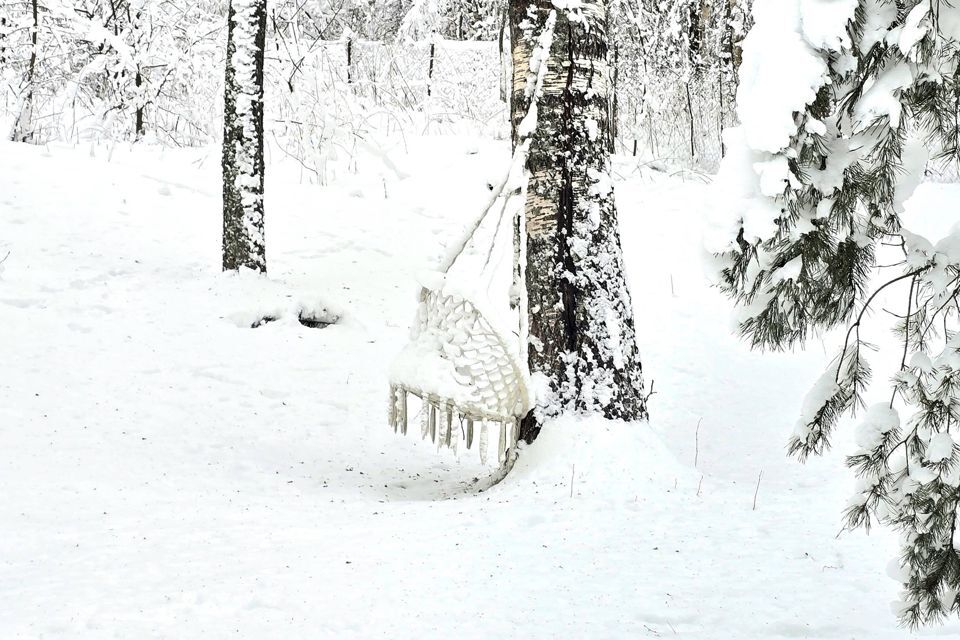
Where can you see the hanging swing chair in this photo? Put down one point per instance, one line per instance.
(467, 374)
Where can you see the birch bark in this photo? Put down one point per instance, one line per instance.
(24, 128)
(582, 341)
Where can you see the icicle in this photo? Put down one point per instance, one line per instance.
(441, 426)
(392, 409)
(469, 432)
(483, 442)
(457, 420)
(424, 419)
(433, 421)
(403, 411)
(515, 440)
(502, 447)
(448, 439)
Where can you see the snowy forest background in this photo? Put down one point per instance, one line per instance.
(191, 449)
(338, 72)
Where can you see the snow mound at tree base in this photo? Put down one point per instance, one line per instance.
(250, 300)
(606, 460)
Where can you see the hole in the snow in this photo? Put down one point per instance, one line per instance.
(321, 321)
(262, 321)
(311, 317)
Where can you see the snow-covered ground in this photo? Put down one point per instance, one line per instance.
(168, 472)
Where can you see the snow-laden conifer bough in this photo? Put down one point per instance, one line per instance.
(468, 374)
(814, 188)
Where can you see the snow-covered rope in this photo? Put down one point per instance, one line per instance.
(460, 366)
(515, 177)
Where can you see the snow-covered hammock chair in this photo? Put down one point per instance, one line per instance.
(467, 372)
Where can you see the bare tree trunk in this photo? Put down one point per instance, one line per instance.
(521, 50)
(612, 131)
(695, 24)
(433, 57)
(136, 23)
(613, 33)
(138, 127)
(3, 40)
(581, 331)
(350, 60)
(693, 145)
(24, 128)
(243, 162)
(729, 69)
(521, 34)
(506, 62)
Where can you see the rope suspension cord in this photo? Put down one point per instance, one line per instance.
(461, 367)
(515, 177)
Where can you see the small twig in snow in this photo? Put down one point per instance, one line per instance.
(573, 471)
(757, 490)
(650, 393)
(696, 444)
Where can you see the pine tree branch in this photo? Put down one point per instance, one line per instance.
(906, 335)
(866, 306)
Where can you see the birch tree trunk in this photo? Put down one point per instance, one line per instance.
(506, 62)
(521, 49)
(243, 163)
(582, 340)
(139, 129)
(23, 126)
(520, 38)
(136, 21)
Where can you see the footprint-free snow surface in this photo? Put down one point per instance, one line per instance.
(166, 471)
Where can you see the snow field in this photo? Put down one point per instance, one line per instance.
(166, 471)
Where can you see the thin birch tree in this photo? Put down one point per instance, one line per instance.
(243, 161)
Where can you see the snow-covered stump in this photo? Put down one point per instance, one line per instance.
(581, 331)
(243, 163)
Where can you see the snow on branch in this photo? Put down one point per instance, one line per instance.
(813, 191)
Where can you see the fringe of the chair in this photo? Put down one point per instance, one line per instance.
(447, 425)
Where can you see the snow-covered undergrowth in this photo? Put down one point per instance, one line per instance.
(167, 471)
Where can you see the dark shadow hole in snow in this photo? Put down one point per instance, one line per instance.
(262, 321)
(317, 323)
(309, 320)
